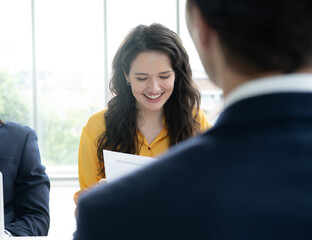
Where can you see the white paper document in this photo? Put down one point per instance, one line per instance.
(119, 164)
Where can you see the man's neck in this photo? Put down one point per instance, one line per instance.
(233, 79)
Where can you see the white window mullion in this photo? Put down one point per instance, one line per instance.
(34, 69)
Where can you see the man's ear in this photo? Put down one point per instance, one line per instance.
(205, 32)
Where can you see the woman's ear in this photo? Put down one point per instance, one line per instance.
(127, 77)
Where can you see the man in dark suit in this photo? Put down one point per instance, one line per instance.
(26, 186)
(250, 176)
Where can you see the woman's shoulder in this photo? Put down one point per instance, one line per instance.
(200, 114)
(96, 123)
(97, 116)
(202, 120)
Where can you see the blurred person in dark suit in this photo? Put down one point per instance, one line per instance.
(250, 175)
(26, 186)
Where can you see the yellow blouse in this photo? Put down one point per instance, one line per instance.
(88, 164)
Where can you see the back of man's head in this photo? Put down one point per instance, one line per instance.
(262, 35)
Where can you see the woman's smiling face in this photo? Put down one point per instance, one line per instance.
(152, 80)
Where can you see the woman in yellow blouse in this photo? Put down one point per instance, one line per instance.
(154, 106)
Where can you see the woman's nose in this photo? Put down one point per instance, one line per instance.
(154, 85)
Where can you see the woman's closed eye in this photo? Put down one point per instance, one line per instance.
(142, 79)
(164, 77)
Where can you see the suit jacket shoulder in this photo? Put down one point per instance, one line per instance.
(26, 209)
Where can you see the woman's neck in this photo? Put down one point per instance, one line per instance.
(150, 118)
(150, 124)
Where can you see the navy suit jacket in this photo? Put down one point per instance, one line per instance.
(26, 185)
(249, 177)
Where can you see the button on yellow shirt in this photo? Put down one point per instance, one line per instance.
(88, 164)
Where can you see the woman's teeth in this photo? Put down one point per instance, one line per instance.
(153, 96)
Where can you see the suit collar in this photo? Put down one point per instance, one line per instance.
(295, 82)
(267, 108)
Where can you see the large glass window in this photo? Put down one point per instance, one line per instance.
(56, 59)
(16, 61)
(70, 73)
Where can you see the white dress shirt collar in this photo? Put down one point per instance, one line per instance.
(295, 82)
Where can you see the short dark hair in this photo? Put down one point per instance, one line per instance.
(261, 35)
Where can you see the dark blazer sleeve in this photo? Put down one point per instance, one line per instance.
(32, 187)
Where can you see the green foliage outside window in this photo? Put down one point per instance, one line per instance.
(13, 103)
(59, 132)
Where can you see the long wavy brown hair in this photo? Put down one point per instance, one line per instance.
(121, 116)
